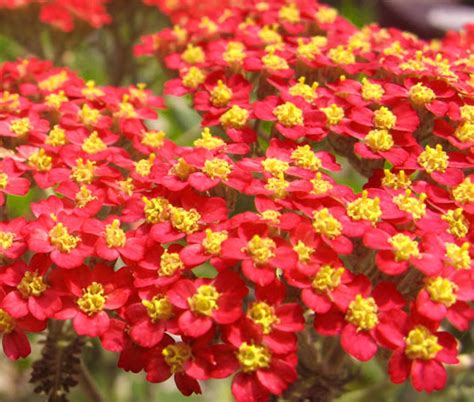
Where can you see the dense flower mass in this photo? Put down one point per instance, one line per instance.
(201, 262)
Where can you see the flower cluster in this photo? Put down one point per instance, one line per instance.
(201, 262)
(61, 14)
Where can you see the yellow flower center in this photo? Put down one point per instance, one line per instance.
(204, 301)
(404, 247)
(396, 180)
(252, 357)
(465, 132)
(334, 114)
(31, 285)
(421, 95)
(288, 114)
(221, 94)
(7, 323)
(384, 118)
(263, 315)
(193, 77)
(126, 109)
(379, 140)
(304, 157)
(170, 263)
(156, 210)
(6, 240)
(126, 186)
(362, 312)
(89, 115)
(307, 92)
(208, 24)
(20, 127)
(309, 50)
(365, 208)
(459, 256)
(153, 139)
(458, 223)
(41, 161)
(260, 249)
(278, 186)
(158, 308)
(56, 100)
(53, 82)
(56, 137)
(193, 55)
(3, 180)
(91, 91)
(176, 356)
(304, 252)
(441, 290)
(414, 206)
(467, 112)
(93, 144)
(234, 53)
(60, 238)
(271, 216)
(273, 62)
(208, 141)
(182, 169)
(217, 168)
(434, 159)
(93, 299)
(327, 279)
(341, 55)
(326, 15)
(114, 235)
(186, 221)
(462, 193)
(83, 197)
(213, 241)
(83, 172)
(371, 92)
(269, 35)
(275, 166)
(235, 117)
(289, 13)
(143, 166)
(421, 344)
(325, 224)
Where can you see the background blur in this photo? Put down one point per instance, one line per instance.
(427, 18)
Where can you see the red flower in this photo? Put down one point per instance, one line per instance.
(205, 302)
(32, 293)
(12, 241)
(93, 293)
(10, 180)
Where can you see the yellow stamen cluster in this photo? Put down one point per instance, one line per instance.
(365, 208)
(371, 92)
(304, 252)
(396, 181)
(260, 249)
(204, 301)
(176, 355)
(193, 55)
(253, 357)
(276, 167)
(362, 312)
(208, 141)
(464, 192)
(307, 92)
(186, 221)
(60, 238)
(263, 315)
(384, 118)
(334, 114)
(412, 205)
(441, 290)
(20, 127)
(156, 209)
(421, 95)
(158, 308)
(93, 144)
(434, 159)
(41, 161)
(379, 140)
(288, 114)
(327, 279)
(221, 94)
(193, 77)
(213, 241)
(235, 117)
(325, 224)
(6, 240)
(217, 168)
(182, 169)
(56, 137)
(421, 344)
(143, 166)
(458, 256)
(83, 172)
(404, 247)
(153, 139)
(7, 322)
(115, 236)
(170, 263)
(93, 299)
(458, 223)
